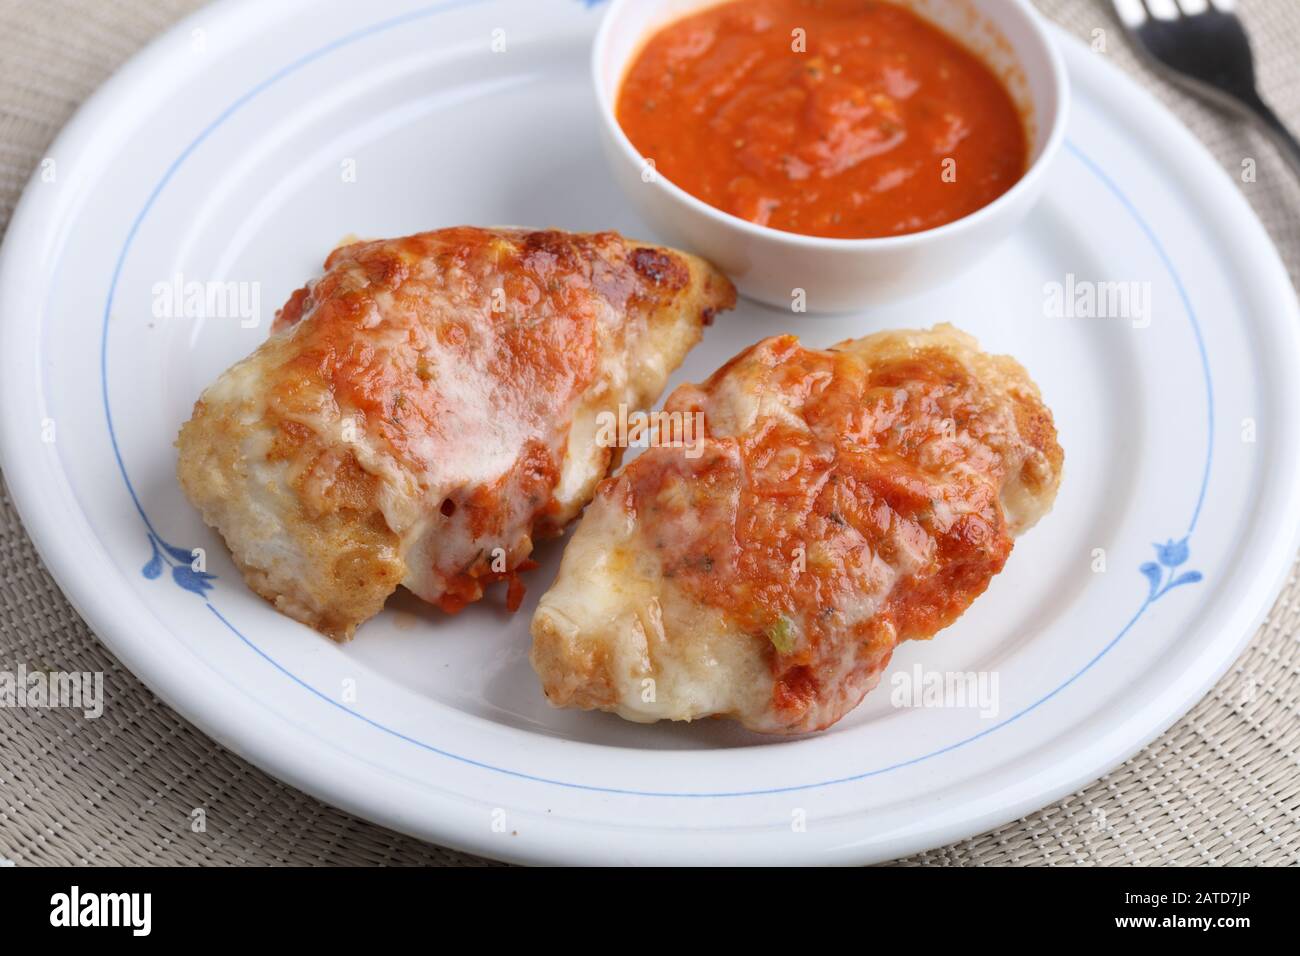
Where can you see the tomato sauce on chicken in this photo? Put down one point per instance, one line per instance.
(418, 416)
(822, 507)
(847, 119)
(842, 501)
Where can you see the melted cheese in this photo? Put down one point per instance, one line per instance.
(429, 404)
(844, 500)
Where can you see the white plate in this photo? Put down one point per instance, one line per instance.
(219, 154)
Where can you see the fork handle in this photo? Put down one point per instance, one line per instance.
(1272, 124)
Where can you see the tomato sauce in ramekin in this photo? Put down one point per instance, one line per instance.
(848, 119)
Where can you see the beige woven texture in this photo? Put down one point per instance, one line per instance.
(1221, 787)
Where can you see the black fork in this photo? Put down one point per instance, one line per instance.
(1202, 46)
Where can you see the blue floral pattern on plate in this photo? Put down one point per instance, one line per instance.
(1162, 574)
(181, 561)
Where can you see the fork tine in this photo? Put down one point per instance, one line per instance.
(1131, 13)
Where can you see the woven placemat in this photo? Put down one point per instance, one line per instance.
(1221, 787)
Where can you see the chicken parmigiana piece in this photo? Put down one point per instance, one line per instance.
(429, 407)
(841, 501)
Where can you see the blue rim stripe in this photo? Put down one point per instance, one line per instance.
(1119, 194)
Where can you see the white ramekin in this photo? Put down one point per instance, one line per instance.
(838, 275)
